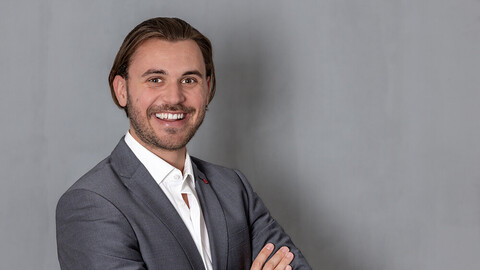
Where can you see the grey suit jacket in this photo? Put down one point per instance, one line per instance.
(117, 217)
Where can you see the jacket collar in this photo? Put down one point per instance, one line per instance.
(213, 216)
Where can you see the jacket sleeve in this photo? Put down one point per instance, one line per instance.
(265, 229)
(93, 234)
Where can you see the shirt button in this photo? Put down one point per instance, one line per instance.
(176, 177)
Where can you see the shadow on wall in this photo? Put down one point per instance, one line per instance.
(258, 134)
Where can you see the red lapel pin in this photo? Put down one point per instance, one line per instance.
(205, 181)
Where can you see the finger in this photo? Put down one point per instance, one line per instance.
(275, 259)
(262, 257)
(285, 262)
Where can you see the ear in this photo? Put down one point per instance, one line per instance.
(120, 88)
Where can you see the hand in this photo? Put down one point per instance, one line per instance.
(279, 261)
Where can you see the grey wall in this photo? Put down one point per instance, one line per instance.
(356, 121)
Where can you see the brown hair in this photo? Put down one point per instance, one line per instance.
(170, 29)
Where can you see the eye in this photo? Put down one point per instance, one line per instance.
(189, 81)
(155, 80)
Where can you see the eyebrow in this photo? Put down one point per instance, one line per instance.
(162, 72)
(193, 72)
(154, 71)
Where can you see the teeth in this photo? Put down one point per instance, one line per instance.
(170, 116)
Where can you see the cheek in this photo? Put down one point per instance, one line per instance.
(196, 98)
(205, 96)
(139, 106)
(202, 101)
(143, 100)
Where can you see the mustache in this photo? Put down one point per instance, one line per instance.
(169, 107)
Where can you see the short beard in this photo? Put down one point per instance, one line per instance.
(146, 133)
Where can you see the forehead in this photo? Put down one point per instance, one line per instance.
(171, 56)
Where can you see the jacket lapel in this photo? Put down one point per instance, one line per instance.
(214, 219)
(136, 177)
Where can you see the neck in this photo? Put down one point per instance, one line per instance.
(176, 158)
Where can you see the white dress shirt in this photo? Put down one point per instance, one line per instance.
(173, 183)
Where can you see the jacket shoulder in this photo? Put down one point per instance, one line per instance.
(96, 177)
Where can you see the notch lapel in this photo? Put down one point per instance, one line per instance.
(137, 178)
(214, 219)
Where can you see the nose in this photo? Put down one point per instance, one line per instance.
(173, 94)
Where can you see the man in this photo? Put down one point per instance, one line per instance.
(149, 205)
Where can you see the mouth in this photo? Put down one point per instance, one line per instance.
(170, 116)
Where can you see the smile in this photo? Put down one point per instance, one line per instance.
(170, 116)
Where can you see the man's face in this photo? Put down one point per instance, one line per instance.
(166, 93)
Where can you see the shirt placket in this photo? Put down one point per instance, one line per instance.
(195, 218)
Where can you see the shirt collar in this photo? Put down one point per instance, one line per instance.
(156, 166)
